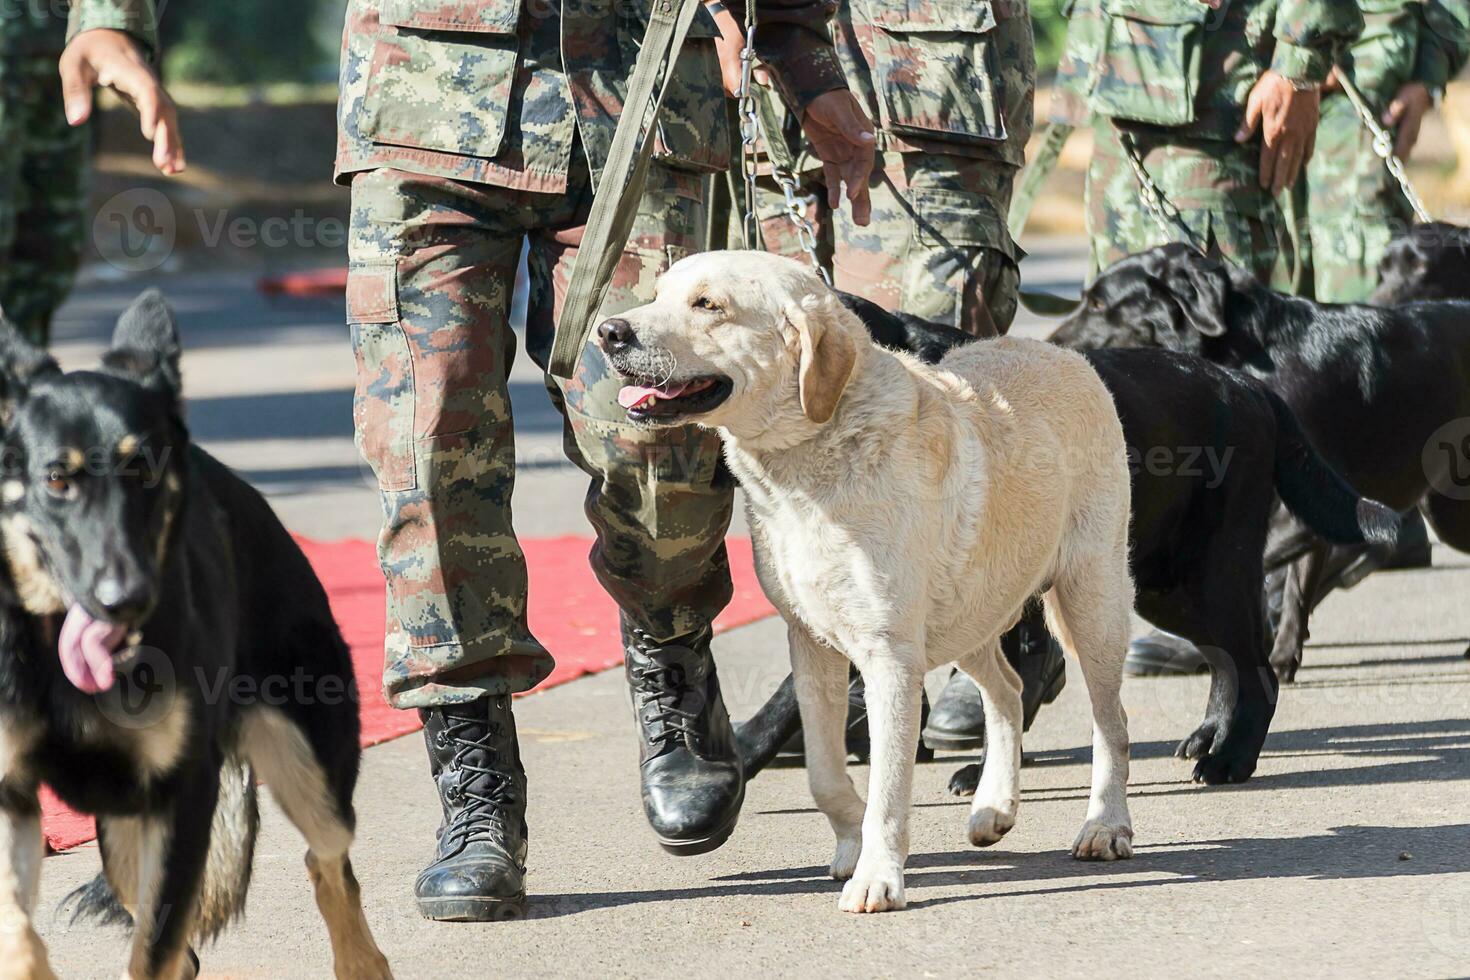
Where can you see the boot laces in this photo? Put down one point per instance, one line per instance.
(664, 688)
(486, 793)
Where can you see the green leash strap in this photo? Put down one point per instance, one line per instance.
(615, 204)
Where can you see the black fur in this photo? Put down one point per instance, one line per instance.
(162, 538)
(1378, 392)
(1428, 261)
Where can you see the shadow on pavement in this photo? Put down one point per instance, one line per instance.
(1343, 852)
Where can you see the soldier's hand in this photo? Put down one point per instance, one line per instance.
(729, 45)
(1287, 118)
(842, 137)
(1407, 112)
(110, 58)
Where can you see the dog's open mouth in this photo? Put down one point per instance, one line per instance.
(645, 400)
(91, 650)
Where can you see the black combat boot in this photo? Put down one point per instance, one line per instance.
(479, 869)
(693, 781)
(958, 720)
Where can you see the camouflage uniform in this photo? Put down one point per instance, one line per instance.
(1351, 206)
(1175, 76)
(43, 170)
(466, 130)
(951, 89)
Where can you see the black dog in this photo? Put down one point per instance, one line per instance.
(1429, 261)
(163, 640)
(1383, 394)
(1210, 450)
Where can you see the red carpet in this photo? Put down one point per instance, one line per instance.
(569, 613)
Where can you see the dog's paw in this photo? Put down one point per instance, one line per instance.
(875, 888)
(989, 824)
(1286, 666)
(1201, 742)
(1100, 841)
(965, 781)
(1218, 769)
(844, 861)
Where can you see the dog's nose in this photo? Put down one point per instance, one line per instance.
(123, 602)
(616, 334)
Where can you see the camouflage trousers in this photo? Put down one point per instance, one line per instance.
(1347, 209)
(1212, 184)
(433, 266)
(937, 246)
(43, 194)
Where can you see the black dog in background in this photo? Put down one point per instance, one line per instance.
(1209, 450)
(1383, 394)
(1429, 261)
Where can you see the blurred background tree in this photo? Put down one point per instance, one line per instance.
(248, 42)
(1051, 32)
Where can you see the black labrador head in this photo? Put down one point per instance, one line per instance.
(1428, 261)
(1172, 296)
(94, 468)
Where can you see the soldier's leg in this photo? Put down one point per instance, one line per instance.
(1213, 201)
(49, 194)
(660, 501)
(428, 298)
(938, 245)
(1354, 206)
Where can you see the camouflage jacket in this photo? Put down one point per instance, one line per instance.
(943, 76)
(500, 91)
(1408, 41)
(1181, 65)
(137, 17)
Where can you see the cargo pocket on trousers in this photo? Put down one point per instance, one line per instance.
(441, 75)
(1150, 66)
(936, 68)
(383, 402)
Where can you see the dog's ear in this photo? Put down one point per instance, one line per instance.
(828, 353)
(21, 363)
(146, 344)
(1200, 284)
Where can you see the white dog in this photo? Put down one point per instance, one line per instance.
(902, 516)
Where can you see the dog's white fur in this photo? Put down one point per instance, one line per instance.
(903, 515)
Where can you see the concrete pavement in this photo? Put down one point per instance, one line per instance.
(1347, 855)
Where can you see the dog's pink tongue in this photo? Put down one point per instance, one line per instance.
(86, 646)
(631, 395)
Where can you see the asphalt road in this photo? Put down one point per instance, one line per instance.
(1348, 854)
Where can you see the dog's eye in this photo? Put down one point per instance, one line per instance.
(59, 484)
(1096, 305)
(705, 303)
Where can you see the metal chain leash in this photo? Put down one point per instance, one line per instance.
(1383, 145)
(752, 133)
(1169, 220)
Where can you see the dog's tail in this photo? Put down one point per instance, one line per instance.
(227, 871)
(1319, 496)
